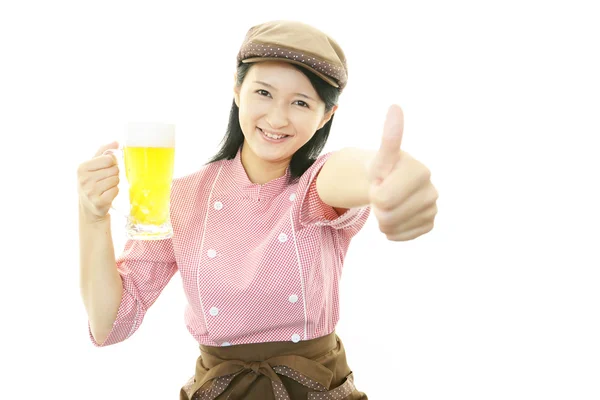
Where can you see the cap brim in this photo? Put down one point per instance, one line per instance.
(319, 74)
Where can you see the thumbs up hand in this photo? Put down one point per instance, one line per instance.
(401, 194)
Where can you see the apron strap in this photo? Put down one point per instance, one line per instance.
(301, 369)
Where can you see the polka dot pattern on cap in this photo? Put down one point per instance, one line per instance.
(251, 50)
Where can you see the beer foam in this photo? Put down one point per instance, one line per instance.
(150, 134)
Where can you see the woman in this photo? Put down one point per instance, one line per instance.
(261, 231)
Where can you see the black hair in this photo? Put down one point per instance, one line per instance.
(304, 156)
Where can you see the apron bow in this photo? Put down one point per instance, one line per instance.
(303, 370)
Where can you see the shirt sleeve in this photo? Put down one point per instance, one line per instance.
(313, 211)
(146, 267)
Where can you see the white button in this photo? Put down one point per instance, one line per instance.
(218, 205)
(212, 253)
(295, 338)
(226, 344)
(293, 298)
(282, 237)
(292, 196)
(214, 311)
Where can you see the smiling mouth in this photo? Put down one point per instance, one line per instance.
(272, 136)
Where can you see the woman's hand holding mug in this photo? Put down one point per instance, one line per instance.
(97, 184)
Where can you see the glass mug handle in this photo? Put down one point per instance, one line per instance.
(118, 155)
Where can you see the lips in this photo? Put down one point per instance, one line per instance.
(274, 134)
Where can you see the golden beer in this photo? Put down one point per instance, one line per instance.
(149, 158)
(149, 171)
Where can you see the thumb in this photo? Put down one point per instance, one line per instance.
(112, 145)
(388, 154)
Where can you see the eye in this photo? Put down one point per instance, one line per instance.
(304, 104)
(263, 92)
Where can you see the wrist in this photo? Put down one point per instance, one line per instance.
(88, 218)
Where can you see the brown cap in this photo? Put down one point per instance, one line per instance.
(296, 43)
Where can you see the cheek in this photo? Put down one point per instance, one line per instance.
(245, 116)
(251, 113)
(306, 125)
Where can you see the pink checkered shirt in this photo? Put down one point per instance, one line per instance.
(258, 263)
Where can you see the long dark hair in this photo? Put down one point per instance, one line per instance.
(304, 156)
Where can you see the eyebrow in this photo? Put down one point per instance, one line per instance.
(274, 88)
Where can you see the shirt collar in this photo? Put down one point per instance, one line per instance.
(256, 191)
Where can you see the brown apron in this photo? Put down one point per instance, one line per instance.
(308, 370)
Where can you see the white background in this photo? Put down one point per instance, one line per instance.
(501, 101)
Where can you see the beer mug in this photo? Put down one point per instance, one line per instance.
(148, 154)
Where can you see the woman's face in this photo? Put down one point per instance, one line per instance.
(275, 98)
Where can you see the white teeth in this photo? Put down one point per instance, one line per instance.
(272, 136)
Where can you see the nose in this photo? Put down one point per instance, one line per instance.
(277, 116)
